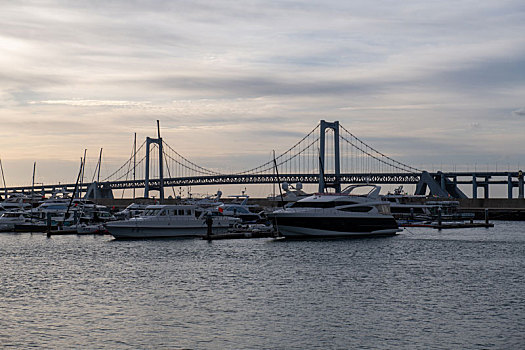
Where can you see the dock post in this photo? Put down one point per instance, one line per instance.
(486, 216)
(48, 224)
(209, 224)
(75, 217)
(520, 184)
(474, 187)
(411, 213)
(509, 186)
(439, 217)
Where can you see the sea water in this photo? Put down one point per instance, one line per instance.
(422, 289)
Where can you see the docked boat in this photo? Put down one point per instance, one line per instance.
(163, 221)
(17, 201)
(83, 229)
(9, 219)
(337, 215)
(131, 211)
(408, 208)
(242, 210)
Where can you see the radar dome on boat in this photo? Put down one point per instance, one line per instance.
(298, 186)
(285, 186)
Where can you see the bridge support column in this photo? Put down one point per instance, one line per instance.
(474, 187)
(146, 174)
(158, 141)
(337, 164)
(443, 182)
(97, 190)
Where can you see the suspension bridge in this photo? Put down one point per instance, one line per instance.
(329, 155)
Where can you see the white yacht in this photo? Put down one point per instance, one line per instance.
(9, 219)
(241, 210)
(131, 211)
(159, 221)
(409, 208)
(17, 201)
(337, 215)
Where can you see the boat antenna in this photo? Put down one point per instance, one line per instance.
(3, 178)
(278, 179)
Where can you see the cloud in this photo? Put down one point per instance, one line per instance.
(94, 103)
(519, 112)
(255, 76)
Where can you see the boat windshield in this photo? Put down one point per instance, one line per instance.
(383, 209)
(11, 215)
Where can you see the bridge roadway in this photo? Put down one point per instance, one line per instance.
(466, 178)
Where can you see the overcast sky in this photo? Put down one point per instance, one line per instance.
(433, 82)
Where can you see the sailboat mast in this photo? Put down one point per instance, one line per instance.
(3, 178)
(278, 179)
(82, 174)
(33, 190)
(134, 161)
(99, 164)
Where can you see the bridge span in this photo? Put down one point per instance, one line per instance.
(445, 188)
(329, 155)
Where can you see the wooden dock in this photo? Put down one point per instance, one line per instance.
(239, 235)
(450, 225)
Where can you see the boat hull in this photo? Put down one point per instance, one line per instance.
(300, 227)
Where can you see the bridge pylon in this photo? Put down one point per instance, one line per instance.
(157, 141)
(337, 159)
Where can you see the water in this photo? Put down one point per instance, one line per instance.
(423, 289)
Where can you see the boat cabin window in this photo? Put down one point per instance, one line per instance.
(313, 205)
(188, 212)
(237, 209)
(59, 207)
(152, 212)
(360, 209)
(407, 210)
(181, 211)
(339, 203)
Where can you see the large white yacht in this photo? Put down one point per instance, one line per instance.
(159, 221)
(337, 215)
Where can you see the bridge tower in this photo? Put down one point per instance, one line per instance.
(336, 184)
(157, 141)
